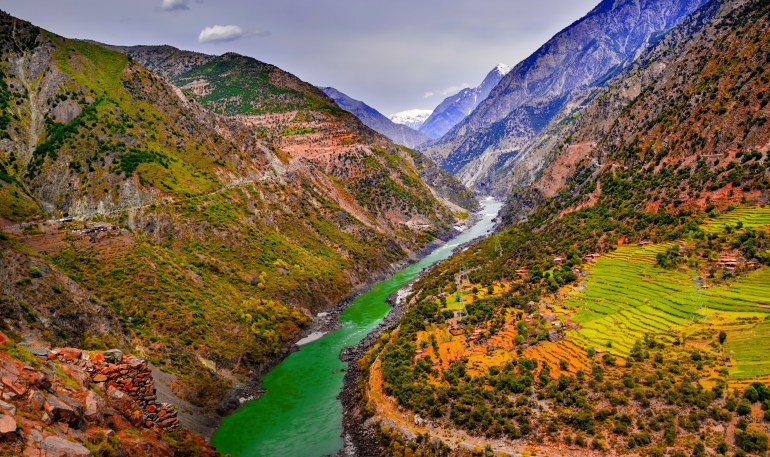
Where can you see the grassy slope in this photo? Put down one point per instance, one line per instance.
(216, 255)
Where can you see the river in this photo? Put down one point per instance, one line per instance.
(299, 415)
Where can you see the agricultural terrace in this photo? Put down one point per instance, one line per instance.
(654, 347)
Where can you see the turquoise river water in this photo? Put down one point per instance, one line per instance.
(299, 415)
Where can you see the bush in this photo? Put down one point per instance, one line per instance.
(751, 441)
(744, 408)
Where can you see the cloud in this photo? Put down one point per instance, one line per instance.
(219, 33)
(451, 90)
(174, 5)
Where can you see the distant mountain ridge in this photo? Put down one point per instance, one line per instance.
(580, 57)
(398, 133)
(412, 118)
(457, 107)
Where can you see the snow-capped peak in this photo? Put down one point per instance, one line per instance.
(413, 118)
(503, 69)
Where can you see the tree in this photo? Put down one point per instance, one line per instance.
(722, 337)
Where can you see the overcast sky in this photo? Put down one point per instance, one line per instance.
(392, 54)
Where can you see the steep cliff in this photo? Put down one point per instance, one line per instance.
(582, 56)
(455, 108)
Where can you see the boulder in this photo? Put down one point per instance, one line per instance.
(76, 373)
(61, 410)
(94, 410)
(36, 400)
(59, 447)
(69, 354)
(7, 425)
(8, 407)
(13, 387)
(113, 355)
(38, 351)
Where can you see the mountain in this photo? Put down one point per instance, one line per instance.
(198, 225)
(581, 57)
(457, 107)
(413, 118)
(400, 134)
(621, 290)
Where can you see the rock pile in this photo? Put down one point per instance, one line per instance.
(126, 379)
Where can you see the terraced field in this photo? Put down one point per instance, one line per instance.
(749, 216)
(626, 295)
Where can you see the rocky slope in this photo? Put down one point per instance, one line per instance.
(582, 56)
(200, 226)
(453, 109)
(695, 103)
(68, 402)
(400, 134)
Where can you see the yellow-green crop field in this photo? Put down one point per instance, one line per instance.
(626, 296)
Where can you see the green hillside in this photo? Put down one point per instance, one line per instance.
(207, 241)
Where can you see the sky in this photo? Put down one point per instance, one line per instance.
(392, 54)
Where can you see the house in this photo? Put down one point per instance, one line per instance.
(593, 256)
(522, 272)
(727, 263)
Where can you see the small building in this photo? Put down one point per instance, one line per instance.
(459, 314)
(727, 263)
(593, 256)
(558, 260)
(522, 272)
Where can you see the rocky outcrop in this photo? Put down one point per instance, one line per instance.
(72, 403)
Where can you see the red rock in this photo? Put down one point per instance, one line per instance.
(151, 408)
(97, 357)
(7, 425)
(3, 338)
(69, 353)
(36, 400)
(17, 389)
(162, 413)
(99, 378)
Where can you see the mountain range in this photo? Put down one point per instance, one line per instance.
(455, 108)
(575, 61)
(400, 134)
(413, 118)
(200, 210)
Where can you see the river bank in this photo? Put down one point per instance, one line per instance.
(358, 436)
(300, 412)
(205, 421)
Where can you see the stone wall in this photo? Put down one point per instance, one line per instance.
(126, 379)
